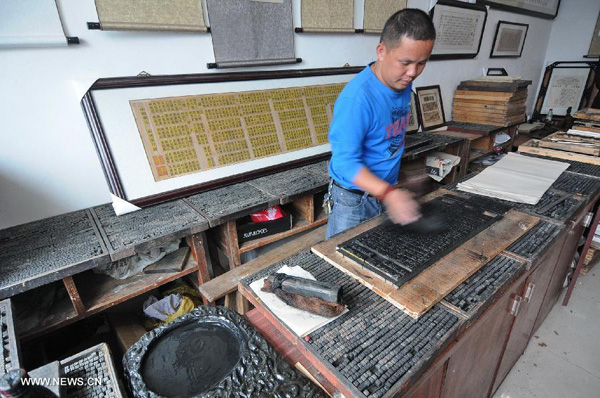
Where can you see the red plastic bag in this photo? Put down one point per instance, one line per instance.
(268, 214)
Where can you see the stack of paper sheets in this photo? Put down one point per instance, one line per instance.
(516, 178)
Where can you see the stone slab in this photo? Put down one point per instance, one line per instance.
(48, 250)
(231, 202)
(137, 231)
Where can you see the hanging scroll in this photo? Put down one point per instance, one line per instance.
(459, 29)
(328, 16)
(377, 13)
(547, 9)
(251, 32)
(30, 23)
(160, 15)
(594, 51)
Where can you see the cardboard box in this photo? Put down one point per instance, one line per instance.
(248, 230)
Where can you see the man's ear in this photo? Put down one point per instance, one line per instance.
(380, 51)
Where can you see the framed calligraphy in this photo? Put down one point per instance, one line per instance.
(414, 121)
(165, 137)
(430, 106)
(459, 27)
(547, 9)
(566, 84)
(509, 40)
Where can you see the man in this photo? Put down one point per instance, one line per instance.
(369, 123)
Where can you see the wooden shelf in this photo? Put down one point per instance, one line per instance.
(300, 226)
(475, 154)
(99, 292)
(61, 314)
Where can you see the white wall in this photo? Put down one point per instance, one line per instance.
(572, 31)
(48, 164)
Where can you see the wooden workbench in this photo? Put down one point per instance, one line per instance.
(305, 202)
(473, 356)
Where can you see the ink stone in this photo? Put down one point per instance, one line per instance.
(191, 359)
(210, 352)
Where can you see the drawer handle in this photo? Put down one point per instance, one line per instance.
(529, 292)
(514, 311)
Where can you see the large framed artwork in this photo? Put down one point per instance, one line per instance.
(566, 85)
(164, 137)
(430, 106)
(459, 29)
(547, 9)
(509, 40)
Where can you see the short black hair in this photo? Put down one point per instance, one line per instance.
(410, 22)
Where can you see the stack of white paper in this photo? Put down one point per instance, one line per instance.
(516, 178)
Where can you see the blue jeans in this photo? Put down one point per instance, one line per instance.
(349, 209)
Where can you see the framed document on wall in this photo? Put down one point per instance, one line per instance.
(547, 9)
(509, 40)
(413, 122)
(459, 27)
(430, 106)
(566, 84)
(164, 137)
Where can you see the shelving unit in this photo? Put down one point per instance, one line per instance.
(98, 292)
(90, 293)
(475, 154)
(304, 217)
(479, 139)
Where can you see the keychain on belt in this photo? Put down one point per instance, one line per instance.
(327, 202)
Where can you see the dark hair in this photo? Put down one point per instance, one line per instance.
(410, 22)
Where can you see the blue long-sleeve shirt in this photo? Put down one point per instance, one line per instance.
(368, 128)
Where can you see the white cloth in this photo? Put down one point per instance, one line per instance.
(299, 321)
(516, 178)
(162, 309)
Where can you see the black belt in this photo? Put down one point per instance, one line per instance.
(354, 191)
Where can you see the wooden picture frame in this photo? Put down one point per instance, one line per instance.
(128, 168)
(549, 11)
(568, 84)
(509, 40)
(415, 119)
(496, 72)
(459, 27)
(430, 106)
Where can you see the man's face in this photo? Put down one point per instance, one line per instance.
(400, 65)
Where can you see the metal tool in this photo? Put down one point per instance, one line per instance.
(306, 287)
(313, 296)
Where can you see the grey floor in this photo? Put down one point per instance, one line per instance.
(562, 359)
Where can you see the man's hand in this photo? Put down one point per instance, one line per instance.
(401, 207)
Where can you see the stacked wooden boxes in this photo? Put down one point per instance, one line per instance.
(587, 120)
(491, 100)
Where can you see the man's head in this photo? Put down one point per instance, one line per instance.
(405, 47)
